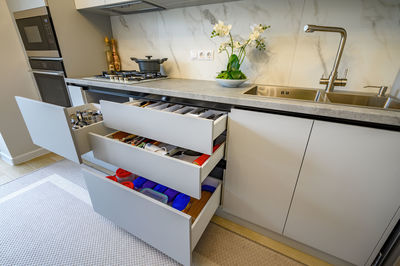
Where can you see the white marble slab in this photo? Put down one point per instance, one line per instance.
(211, 91)
(292, 58)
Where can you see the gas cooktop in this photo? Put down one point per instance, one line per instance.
(127, 76)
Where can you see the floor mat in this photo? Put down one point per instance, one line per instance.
(47, 219)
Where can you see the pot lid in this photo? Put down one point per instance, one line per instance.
(149, 59)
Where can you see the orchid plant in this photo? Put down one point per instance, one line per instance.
(235, 50)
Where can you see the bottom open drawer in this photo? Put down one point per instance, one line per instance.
(158, 224)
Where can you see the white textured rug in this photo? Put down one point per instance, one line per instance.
(46, 218)
(50, 221)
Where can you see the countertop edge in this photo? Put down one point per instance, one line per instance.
(209, 91)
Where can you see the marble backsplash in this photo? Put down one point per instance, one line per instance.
(292, 58)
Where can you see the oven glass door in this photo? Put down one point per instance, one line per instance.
(37, 33)
(52, 87)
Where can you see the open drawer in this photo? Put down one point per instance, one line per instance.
(174, 173)
(194, 133)
(50, 128)
(165, 228)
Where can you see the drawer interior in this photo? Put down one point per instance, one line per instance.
(189, 127)
(172, 231)
(175, 167)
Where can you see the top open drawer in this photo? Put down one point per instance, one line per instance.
(194, 133)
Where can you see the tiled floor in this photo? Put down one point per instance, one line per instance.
(11, 172)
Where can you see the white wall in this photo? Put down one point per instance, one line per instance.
(14, 80)
(372, 52)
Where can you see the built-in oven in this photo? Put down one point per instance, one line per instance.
(49, 76)
(37, 32)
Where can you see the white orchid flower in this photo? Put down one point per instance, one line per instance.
(256, 28)
(254, 35)
(222, 47)
(236, 45)
(221, 29)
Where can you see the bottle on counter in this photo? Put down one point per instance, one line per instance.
(109, 55)
(115, 55)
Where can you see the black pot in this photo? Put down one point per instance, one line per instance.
(149, 65)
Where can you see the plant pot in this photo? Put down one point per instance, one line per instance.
(230, 83)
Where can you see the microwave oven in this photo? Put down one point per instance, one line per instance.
(37, 32)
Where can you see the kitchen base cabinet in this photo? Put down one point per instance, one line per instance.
(264, 154)
(348, 190)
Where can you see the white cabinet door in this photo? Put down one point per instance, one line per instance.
(264, 154)
(348, 190)
(81, 4)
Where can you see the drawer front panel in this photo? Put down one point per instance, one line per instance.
(179, 175)
(158, 224)
(48, 126)
(181, 130)
(155, 223)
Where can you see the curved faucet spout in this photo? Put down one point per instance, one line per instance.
(332, 80)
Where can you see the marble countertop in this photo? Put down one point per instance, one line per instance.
(211, 91)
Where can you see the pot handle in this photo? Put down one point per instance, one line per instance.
(163, 60)
(134, 59)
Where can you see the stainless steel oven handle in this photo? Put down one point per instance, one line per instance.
(53, 73)
(60, 59)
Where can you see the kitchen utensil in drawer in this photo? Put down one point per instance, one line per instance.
(185, 110)
(204, 157)
(181, 202)
(113, 178)
(171, 194)
(155, 148)
(149, 184)
(155, 195)
(173, 108)
(160, 188)
(128, 184)
(123, 175)
(138, 182)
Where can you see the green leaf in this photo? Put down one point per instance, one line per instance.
(222, 75)
(236, 74)
(233, 63)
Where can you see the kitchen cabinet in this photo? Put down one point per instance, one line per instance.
(171, 231)
(264, 155)
(141, 6)
(348, 190)
(82, 4)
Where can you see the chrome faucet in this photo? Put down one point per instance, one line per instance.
(332, 80)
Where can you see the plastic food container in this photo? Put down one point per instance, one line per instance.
(123, 175)
(128, 184)
(155, 195)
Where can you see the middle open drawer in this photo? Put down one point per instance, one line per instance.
(180, 175)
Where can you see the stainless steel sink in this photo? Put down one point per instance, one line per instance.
(359, 99)
(337, 97)
(283, 92)
(354, 99)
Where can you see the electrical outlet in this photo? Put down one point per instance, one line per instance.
(209, 55)
(201, 55)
